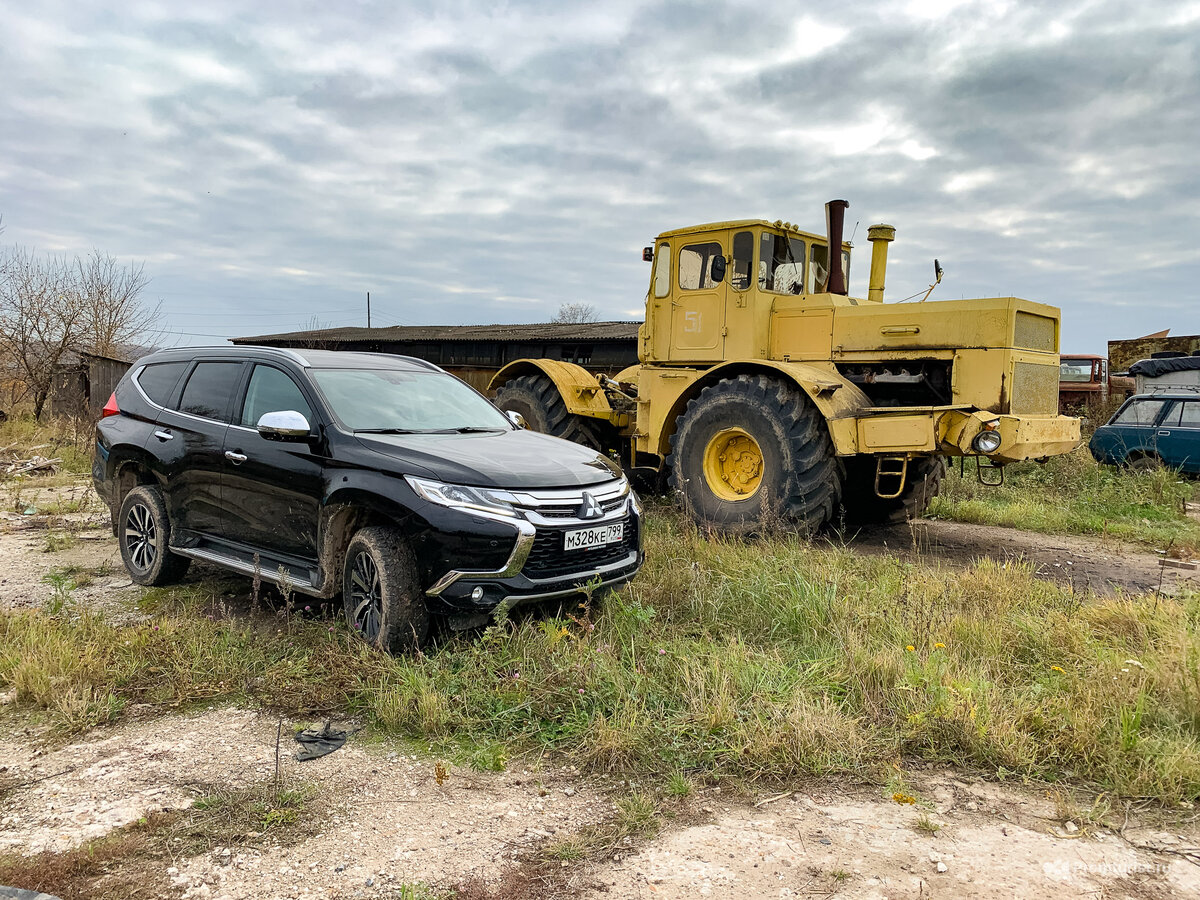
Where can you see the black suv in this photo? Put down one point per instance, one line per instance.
(379, 477)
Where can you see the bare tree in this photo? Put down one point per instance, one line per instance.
(41, 316)
(114, 315)
(51, 306)
(575, 313)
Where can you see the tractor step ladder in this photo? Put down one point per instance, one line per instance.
(890, 467)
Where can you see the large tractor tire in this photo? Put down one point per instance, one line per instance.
(865, 507)
(537, 399)
(752, 451)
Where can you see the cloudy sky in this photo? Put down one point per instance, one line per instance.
(475, 162)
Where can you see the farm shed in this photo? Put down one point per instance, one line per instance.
(83, 383)
(1123, 354)
(476, 352)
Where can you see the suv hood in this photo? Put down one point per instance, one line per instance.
(521, 459)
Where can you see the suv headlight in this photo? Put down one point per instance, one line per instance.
(459, 496)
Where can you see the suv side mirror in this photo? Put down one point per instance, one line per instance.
(516, 418)
(285, 425)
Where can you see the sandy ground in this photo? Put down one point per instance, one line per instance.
(383, 820)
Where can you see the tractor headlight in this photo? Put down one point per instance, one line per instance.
(986, 442)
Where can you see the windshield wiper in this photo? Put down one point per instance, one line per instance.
(392, 431)
(465, 429)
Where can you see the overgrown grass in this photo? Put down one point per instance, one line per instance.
(1073, 494)
(756, 662)
(23, 436)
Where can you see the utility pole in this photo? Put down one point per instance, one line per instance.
(368, 309)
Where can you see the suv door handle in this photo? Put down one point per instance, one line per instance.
(236, 458)
(163, 435)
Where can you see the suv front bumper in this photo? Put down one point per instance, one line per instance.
(539, 567)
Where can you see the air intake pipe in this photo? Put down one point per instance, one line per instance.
(879, 236)
(835, 218)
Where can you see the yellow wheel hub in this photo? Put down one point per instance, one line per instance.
(733, 465)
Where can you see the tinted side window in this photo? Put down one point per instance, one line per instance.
(158, 380)
(271, 390)
(209, 390)
(1140, 412)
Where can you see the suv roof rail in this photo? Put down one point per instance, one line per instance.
(1171, 388)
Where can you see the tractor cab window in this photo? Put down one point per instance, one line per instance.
(662, 270)
(1075, 370)
(818, 270)
(743, 260)
(696, 266)
(781, 263)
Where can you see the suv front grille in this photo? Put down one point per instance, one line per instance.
(548, 559)
(572, 510)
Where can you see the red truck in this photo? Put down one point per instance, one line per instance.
(1085, 384)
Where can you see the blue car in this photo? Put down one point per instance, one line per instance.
(1152, 430)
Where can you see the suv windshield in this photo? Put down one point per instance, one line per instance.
(389, 400)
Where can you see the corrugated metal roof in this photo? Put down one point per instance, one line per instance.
(541, 331)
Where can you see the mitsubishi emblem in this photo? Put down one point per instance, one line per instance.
(590, 508)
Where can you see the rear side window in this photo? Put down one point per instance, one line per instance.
(209, 390)
(271, 390)
(1190, 416)
(158, 380)
(1140, 412)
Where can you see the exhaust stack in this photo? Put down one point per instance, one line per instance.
(879, 236)
(835, 217)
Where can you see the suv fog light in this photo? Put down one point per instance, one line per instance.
(477, 594)
(987, 441)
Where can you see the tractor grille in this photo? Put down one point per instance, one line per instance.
(547, 559)
(1034, 332)
(1034, 389)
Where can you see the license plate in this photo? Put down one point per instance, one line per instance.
(586, 538)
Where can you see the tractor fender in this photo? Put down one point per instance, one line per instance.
(835, 397)
(579, 388)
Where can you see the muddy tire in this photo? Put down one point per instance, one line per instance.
(537, 399)
(864, 507)
(751, 452)
(381, 592)
(144, 534)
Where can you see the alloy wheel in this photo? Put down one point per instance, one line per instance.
(141, 537)
(366, 596)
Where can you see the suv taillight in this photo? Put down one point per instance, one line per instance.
(110, 408)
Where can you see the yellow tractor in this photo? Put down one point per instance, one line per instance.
(765, 392)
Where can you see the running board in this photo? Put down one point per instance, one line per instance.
(263, 570)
